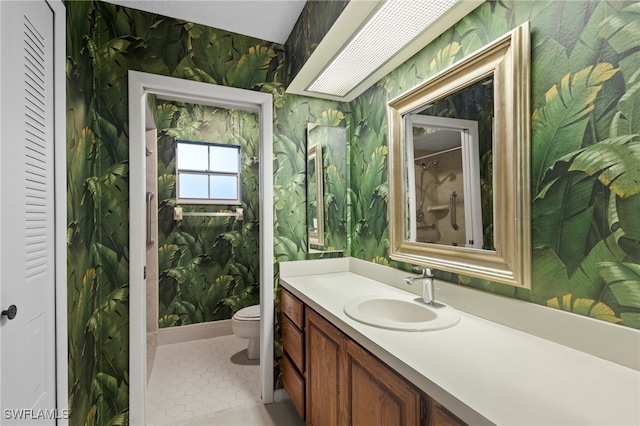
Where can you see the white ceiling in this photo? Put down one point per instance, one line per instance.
(270, 20)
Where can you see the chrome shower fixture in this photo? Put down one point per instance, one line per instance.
(419, 212)
(431, 163)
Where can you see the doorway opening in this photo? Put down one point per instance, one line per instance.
(179, 90)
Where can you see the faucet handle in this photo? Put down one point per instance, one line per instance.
(426, 271)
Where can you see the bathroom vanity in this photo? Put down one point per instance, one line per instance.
(333, 380)
(340, 371)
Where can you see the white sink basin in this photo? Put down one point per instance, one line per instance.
(400, 314)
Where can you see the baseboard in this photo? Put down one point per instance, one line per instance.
(188, 333)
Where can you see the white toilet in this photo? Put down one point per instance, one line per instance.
(246, 324)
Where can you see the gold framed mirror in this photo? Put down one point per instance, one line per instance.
(484, 234)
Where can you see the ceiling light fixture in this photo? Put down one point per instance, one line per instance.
(381, 36)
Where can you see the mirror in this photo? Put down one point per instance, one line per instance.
(444, 186)
(459, 166)
(315, 219)
(327, 183)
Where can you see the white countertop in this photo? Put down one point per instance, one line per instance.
(484, 372)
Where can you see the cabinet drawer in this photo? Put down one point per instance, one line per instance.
(293, 343)
(292, 307)
(293, 384)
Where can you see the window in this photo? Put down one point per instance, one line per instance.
(208, 173)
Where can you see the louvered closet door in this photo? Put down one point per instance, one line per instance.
(27, 352)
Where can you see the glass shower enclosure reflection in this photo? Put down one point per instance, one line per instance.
(444, 181)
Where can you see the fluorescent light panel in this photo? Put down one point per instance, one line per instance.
(394, 25)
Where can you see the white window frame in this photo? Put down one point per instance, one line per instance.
(209, 172)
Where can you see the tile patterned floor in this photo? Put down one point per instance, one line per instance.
(210, 382)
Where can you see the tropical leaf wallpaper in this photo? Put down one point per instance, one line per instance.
(209, 267)
(104, 41)
(585, 169)
(585, 164)
(314, 22)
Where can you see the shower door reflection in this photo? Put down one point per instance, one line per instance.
(444, 189)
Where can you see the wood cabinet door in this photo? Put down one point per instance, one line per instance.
(378, 395)
(324, 359)
(440, 416)
(347, 385)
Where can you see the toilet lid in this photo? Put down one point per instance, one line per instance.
(248, 313)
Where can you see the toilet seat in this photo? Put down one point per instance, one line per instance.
(250, 313)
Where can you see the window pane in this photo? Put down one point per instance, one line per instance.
(224, 159)
(192, 157)
(224, 187)
(193, 186)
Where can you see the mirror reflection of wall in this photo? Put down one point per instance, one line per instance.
(327, 188)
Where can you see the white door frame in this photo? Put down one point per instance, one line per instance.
(141, 84)
(60, 197)
(60, 203)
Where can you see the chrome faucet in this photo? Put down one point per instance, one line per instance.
(428, 289)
